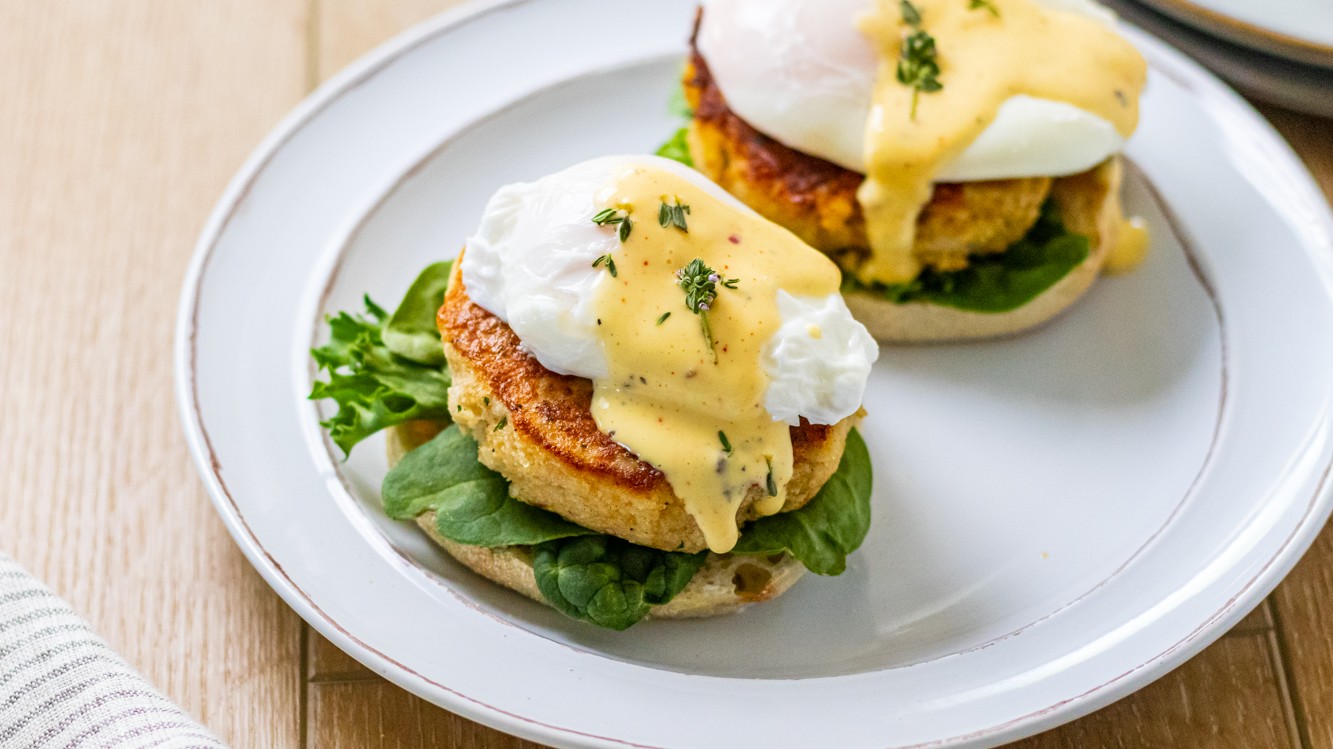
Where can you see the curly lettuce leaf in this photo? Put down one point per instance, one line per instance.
(1000, 282)
(411, 332)
(373, 387)
(827, 528)
(471, 502)
(608, 581)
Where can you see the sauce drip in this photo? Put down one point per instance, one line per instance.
(1130, 247)
(664, 398)
(984, 59)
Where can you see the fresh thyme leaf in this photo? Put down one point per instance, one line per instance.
(984, 4)
(917, 67)
(663, 318)
(673, 215)
(614, 217)
(501, 424)
(772, 483)
(911, 16)
(608, 261)
(726, 443)
(700, 285)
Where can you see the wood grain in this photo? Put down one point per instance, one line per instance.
(1305, 638)
(1228, 697)
(378, 715)
(347, 29)
(122, 121)
(121, 124)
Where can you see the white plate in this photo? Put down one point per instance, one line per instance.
(1059, 518)
(1277, 80)
(1297, 29)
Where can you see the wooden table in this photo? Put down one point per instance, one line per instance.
(120, 124)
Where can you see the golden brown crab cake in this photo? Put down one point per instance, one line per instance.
(535, 428)
(816, 199)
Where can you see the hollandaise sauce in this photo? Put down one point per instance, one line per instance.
(985, 53)
(685, 390)
(1131, 246)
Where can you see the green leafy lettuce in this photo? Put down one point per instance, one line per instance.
(596, 577)
(374, 386)
(471, 502)
(1000, 282)
(411, 332)
(608, 581)
(677, 147)
(827, 528)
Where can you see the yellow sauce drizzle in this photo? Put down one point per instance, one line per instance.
(1130, 247)
(984, 60)
(664, 398)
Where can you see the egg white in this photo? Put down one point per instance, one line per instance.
(529, 263)
(801, 72)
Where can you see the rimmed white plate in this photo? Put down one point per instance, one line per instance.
(1059, 518)
(1297, 29)
(1276, 80)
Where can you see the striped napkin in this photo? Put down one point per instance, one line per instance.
(61, 687)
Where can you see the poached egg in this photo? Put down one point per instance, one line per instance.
(800, 71)
(531, 263)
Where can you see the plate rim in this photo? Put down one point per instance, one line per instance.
(206, 462)
(1245, 33)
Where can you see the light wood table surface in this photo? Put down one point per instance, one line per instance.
(120, 123)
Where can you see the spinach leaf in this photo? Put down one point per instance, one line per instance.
(411, 332)
(374, 387)
(1000, 282)
(608, 581)
(829, 527)
(471, 502)
(677, 147)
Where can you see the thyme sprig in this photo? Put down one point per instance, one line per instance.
(700, 284)
(615, 217)
(917, 66)
(726, 443)
(984, 5)
(673, 214)
(608, 261)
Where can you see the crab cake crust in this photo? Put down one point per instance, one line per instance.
(535, 427)
(816, 199)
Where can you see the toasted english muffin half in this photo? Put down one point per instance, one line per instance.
(535, 428)
(726, 583)
(816, 200)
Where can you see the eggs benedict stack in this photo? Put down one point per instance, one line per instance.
(958, 158)
(651, 389)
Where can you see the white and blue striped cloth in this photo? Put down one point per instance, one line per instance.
(61, 687)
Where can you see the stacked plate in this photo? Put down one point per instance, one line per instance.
(1278, 51)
